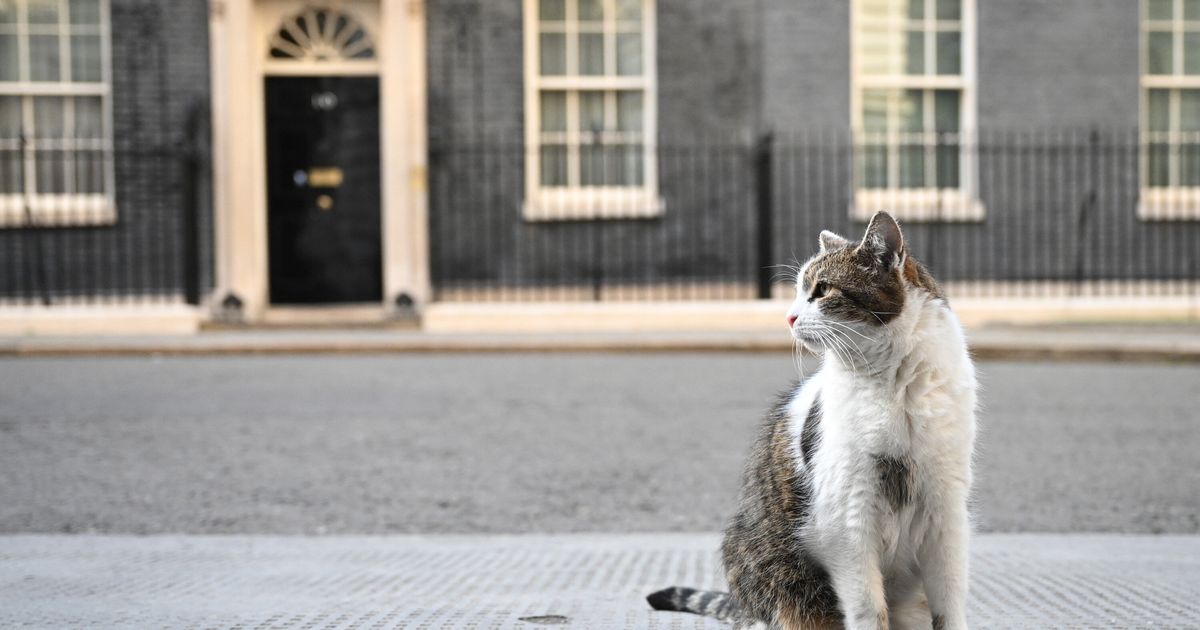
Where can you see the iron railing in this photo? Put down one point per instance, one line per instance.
(1004, 213)
(1033, 214)
(132, 237)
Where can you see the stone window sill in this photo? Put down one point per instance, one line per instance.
(56, 210)
(1169, 204)
(922, 205)
(583, 204)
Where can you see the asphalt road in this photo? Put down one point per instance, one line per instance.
(533, 443)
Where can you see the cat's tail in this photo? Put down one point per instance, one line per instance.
(682, 599)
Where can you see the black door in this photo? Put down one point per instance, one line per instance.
(323, 189)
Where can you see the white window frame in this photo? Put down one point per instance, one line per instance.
(1172, 202)
(575, 202)
(929, 203)
(62, 209)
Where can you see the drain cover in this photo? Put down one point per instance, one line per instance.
(546, 620)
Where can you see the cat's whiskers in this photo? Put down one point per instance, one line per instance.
(846, 344)
(824, 334)
(851, 329)
(798, 356)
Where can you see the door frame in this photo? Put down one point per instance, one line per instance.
(238, 45)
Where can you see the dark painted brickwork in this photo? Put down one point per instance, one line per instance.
(806, 64)
(159, 79)
(1058, 63)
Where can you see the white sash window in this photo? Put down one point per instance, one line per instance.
(55, 136)
(913, 108)
(1170, 118)
(590, 109)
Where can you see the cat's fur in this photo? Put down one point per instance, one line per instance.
(853, 510)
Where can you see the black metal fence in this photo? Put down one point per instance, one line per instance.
(129, 234)
(1092, 213)
(1012, 213)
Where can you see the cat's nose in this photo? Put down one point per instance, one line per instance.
(791, 320)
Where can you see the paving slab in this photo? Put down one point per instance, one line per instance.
(531, 581)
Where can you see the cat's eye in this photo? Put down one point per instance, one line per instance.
(818, 291)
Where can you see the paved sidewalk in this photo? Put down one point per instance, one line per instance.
(1096, 342)
(582, 581)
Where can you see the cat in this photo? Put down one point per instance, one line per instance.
(853, 509)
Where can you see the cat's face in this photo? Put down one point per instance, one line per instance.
(850, 291)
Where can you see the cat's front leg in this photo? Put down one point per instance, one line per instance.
(943, 560)
(860, 594)
(858, 582)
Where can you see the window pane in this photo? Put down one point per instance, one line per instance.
(1158, 51)
(1157, 169)
(552, 10)
(875, 166)
(48, 119)
(43, 58)
(9, 70)
(947, 166)
(916, 9)
(630, 167)
(85, 58)
(593, 165)
(89, 171)
(553, 165)
(949, 53)
(629, 10)
(946, 110)
(874, 110)
(1191, 9)
(10, 171)
(10, 117)
(51, 168)
(42, 11)
(591, 53)
(10, 159)
(1159, 9)
(553, 54)
(89, 118)
(879, 50)
(949, 9)
(878, 9)
(912, 166)
(1191, 53)
(85, 12)
(610, 165)
(629, 111)
(591, 111)
(8, 13)
(1189, 110)
(914, 52)
(591, 10)
(629, 54)
(1158, 110)
(1189, 164)
(912, 110)
(554, 111)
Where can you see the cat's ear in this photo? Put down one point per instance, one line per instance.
(829, 241)
(883, 240)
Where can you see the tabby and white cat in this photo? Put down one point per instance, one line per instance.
(853, 510)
